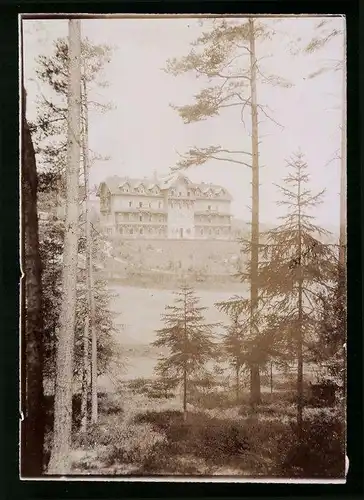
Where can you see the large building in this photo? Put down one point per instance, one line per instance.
(169, 207)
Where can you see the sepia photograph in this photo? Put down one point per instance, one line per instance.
(183, 247)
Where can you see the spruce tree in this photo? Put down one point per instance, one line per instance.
(296, 267)
(188, 339)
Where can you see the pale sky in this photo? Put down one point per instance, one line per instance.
(143, 133)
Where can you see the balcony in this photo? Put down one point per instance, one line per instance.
(210, 211)
(135, 210)
(140, 223)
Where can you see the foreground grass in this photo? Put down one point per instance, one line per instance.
(133, 437)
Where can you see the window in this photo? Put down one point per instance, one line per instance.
(217, 231)
(209, 207)
(201, 232)
(150, 205)
(109, 230)
(121, 230)
(188, 231)
(188, 193)
(140, 204)
(130, 203)
(140, 218)
(210, 231)
(141, 230)
(131, 231)
(159, 205)
(150, 218)
(180, 193)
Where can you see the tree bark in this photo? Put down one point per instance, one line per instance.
(237, 382)
(255, 395)
(85, 371)
(300, 324)
(90, 279)
(32, 318)
(60, 455)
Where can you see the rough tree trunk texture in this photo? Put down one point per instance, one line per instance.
(85, 372)
(89, 247)
(237, 369)
(60, 455)
(185, 364)
(300, 325)
(255, 395)
(33, 409)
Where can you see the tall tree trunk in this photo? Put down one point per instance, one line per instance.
(90, 279)
(255, 396)
(86, 362)
(60, 455)
(271, 378)
(185, 393)
(300, 323)
(237, 370)
(185, 362)
(85, 371)
(33, 402)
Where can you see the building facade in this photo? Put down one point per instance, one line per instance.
(171, 207)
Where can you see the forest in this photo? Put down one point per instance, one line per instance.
(261, 393)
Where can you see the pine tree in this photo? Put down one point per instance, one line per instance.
(50, 127)
(226, 56)
(59, 462)
(296, 266)
(50, 133)
(189, 340)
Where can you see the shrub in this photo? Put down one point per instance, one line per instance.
(320, 452)
(132, 442)
(203, 436)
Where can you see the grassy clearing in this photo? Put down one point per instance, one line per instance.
(137, 435)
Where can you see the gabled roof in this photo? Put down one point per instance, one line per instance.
(115, 183)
